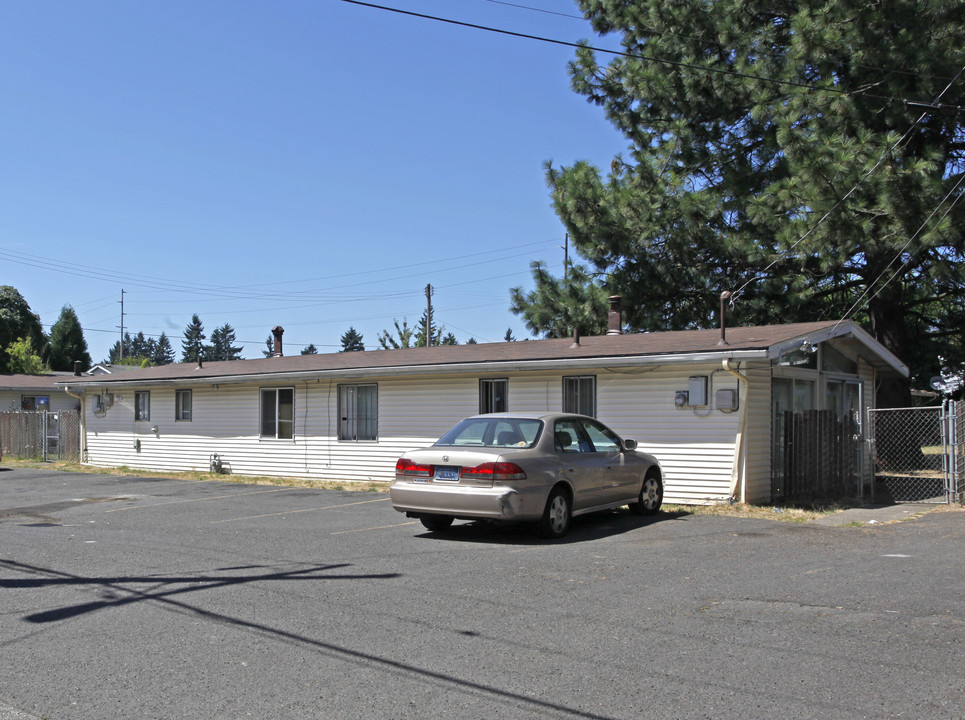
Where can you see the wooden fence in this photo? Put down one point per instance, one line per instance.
(41, 435)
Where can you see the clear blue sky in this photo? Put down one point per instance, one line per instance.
(305, 163)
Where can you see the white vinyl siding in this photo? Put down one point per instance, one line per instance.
(696, 449)
(756, 404)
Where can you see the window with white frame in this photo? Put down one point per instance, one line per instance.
(278, 413)
(182, 405)
(493, 395)
(358, 411)
(579, 395)
(142, 405)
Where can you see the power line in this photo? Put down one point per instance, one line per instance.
(885, 153)
(904, 247)
(706, 40)
(539, 10)
(651, 58)
(239, 292)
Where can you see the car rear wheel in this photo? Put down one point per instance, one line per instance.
(651, 496)
(437, 523)
(556, 516)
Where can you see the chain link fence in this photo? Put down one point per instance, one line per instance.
(915, 452)
(46, 436)
(956, 420)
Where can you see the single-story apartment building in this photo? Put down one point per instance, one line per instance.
(35, 393)
(708, 406)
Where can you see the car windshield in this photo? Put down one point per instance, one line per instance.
(493, 432)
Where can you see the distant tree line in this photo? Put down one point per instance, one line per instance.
(26, 348)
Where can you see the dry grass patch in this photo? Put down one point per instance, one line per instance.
(784, 513)
(350, 485)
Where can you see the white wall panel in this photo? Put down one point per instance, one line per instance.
(694, 445)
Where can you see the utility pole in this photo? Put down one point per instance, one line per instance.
(428, 315)
(120, 354)
(566, 254)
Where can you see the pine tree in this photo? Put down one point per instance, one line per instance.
(772, 153)
(352, 341)
(163, 352)
(140, 346)
(193, 341)
(422, 332)
(310, 349)
(222, 345)
(67, 343)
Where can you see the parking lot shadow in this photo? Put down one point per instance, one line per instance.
(584, 528)
(118, 591)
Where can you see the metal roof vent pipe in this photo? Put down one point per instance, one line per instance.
(724, 297)
(576, 338)
(77, 366)
(277, 331)
(197, 350)
(615, 316)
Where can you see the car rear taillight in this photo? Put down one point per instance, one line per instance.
(494, 471)
(407, 468)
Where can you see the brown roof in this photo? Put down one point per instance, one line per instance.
(685, 342)
(23, 381)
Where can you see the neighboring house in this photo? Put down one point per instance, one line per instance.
(35, 393)
(705, 409)
(111, 369)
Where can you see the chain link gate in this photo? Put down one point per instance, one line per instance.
(917, 453)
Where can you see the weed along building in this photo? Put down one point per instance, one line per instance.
(715, 411)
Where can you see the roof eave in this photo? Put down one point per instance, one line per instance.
(886, 359)
(713, 356)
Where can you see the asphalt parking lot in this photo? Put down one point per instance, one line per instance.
(163, 598)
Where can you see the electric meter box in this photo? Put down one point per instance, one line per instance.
(697, 392)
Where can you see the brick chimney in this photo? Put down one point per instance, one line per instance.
(277, 331)
(615, 317)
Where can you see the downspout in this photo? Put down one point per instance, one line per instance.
(83, 424)
(738, 484)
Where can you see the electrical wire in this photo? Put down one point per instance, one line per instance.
(885, 154)
(709, 41)
(654, 59)
(240, 292)
(904, 247)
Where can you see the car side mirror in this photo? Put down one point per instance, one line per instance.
(629, 445)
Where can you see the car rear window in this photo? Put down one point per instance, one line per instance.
(493, 432)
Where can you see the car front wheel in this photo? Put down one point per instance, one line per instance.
(556, 516)
(436, 523)
(651, 496)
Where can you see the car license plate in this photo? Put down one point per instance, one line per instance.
(447, 473)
